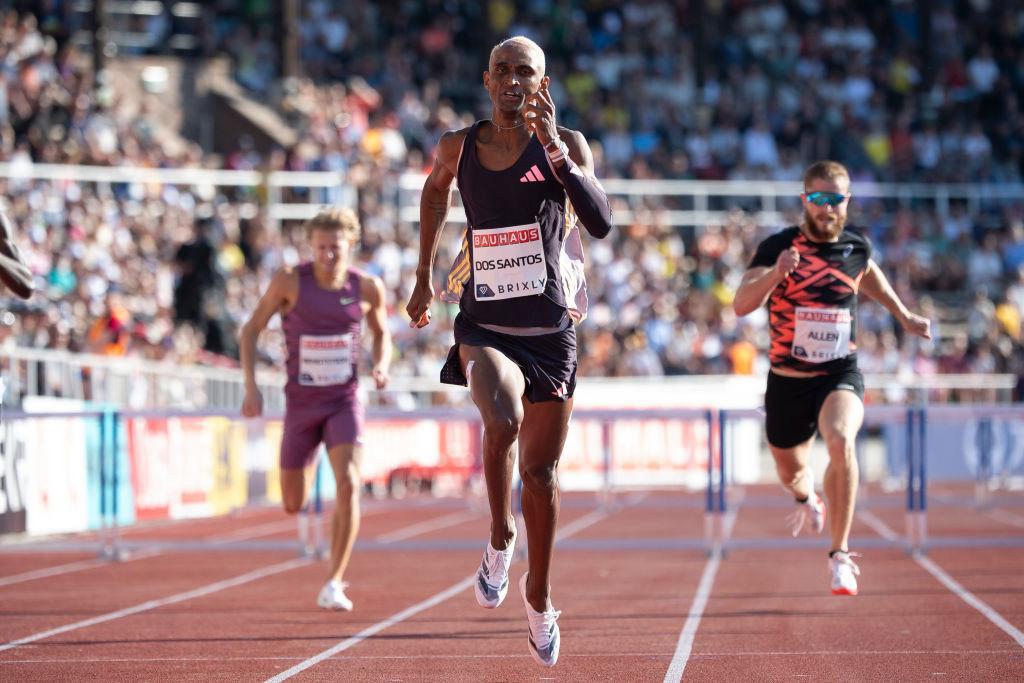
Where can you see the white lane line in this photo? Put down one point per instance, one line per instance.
(569, 529)
(972, 600)
(1007, 517)
(82, 565)
(427, 526)
(161, 602)
(949, 582)
(878, 526)
(245, 534)
(70, 568)
(567, 655)
(56, 570)
(684, 646)
(449, 592)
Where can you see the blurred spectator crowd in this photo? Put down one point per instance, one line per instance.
(170, 272)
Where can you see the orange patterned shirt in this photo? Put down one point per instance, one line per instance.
(812, 313)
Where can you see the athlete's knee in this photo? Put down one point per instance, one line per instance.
(291, 504)
(790, 475)
(540, 477)
(348, 483)
(502, 428)
(841, 446)
(786, 464)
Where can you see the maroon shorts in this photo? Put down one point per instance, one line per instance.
(306, 427)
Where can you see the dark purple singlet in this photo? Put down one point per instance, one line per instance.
(323, 338)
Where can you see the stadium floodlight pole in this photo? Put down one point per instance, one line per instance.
(288, 38)
(699, 44)
(99, 41)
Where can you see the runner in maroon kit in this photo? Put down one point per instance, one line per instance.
(322, 306)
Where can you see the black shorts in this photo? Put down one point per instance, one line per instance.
(548, 361)
(792, 404)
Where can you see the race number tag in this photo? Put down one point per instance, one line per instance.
(508, 263)
(822, 334)
(325, 359)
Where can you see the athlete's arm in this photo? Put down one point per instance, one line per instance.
(758, 282)
(576, 172)
(278, 294)
(575, 167)
(377, 321)
(14, 273)
(876, 285)
(434, 204)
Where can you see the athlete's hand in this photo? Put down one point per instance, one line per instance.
(418, 307)
(380, 377)
(787, 262)
(916, 324)
(252, 404)
(540, 115)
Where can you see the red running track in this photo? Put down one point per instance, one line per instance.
(639, 600)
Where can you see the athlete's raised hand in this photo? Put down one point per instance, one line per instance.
(787, 262)
(540, 114)
(418, 307)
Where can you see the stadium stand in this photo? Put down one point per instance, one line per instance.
(381, 83)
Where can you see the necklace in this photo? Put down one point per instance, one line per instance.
(494, 123)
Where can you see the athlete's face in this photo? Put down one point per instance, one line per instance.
(824, 209)
(515, 72)
(330, 249)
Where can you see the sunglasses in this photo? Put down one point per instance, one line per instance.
(826, 198)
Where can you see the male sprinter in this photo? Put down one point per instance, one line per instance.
(810, 275)
(524, 181)
(322, 306)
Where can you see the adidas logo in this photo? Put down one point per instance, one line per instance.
(532, 176)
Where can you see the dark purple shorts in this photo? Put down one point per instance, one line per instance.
(306, 427)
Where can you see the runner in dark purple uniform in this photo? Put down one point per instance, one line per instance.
(322, 306)
(525, 183)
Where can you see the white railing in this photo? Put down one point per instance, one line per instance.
(713, 201)
(331, 184)
(140, 384)
(700, 202)
(131, 382)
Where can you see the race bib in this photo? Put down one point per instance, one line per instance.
(508, 263)
(821, 334)
(325, 359)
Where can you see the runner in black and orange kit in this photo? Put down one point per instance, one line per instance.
(524, 182)
(810, 275)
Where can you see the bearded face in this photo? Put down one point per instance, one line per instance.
(824, 228)
(826, 201)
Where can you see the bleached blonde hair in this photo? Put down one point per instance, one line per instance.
(336, 218)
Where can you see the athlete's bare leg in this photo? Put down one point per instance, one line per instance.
(791, 466)
(345, 460)
(839, 421)
(295, 485)
(497, 386)
(541, 439)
